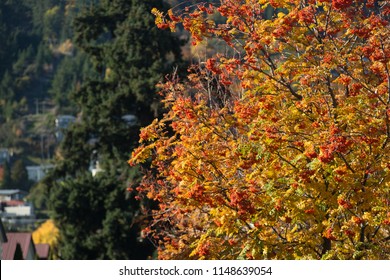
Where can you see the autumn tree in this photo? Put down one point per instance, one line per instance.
(280, 149)
(46, 233)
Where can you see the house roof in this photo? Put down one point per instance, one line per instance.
(14, 238)
(14, 203)
(42, 250)
(12, 191)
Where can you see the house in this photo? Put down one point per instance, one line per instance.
(19, 246)
(12, 194)
(13, 210)
(62, 122)
(43, 251)
(17, 208)
(16, 213)
(38, 172)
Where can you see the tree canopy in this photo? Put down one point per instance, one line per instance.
(280, 147)
(96, 217)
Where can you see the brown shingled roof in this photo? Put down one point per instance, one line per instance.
(42, 251)
(14, 238)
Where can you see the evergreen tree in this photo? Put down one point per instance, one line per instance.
(96, 220)
(96, 217)
(19, 41)
(19, 175)
(68, 76)
(130, 56)
(7, 95)
(6, 182)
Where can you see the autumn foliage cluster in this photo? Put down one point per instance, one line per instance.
(46, 233)
(278, 148)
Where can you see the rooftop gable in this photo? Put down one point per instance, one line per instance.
(12, 192)
(24, 239)
(42, 251)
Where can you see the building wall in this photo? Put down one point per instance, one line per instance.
(37, 172)
(31, 252)
(23, 210)
(14, 194)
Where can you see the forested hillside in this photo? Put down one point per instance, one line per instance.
(40, 68)
(96, 63)
(36, 46)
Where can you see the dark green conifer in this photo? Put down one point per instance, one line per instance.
(97, 218)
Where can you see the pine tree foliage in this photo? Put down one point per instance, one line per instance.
(96, 217)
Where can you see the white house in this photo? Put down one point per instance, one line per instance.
(12, 194)
(15, 211)
(25, 209)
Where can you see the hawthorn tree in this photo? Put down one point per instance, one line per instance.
(280, 147)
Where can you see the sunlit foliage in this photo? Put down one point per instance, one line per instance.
(279, 149)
